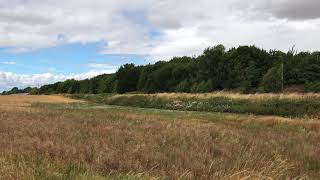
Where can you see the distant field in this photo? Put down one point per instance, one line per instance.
(24, 102)
(58, 138)
(285, 105)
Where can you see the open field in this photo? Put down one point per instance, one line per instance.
(57, 138)
(285, 105)
(24, 102)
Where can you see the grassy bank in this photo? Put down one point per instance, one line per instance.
(290, 105)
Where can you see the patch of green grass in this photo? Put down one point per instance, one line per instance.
(286, 107)
(312, 164)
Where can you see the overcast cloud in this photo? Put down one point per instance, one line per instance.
(32, 24)
(291, 9)
(159, 29)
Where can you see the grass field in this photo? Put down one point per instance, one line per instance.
(52, 137)
(23, 102)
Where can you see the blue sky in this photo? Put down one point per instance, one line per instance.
(65, 59)
(43, 42)
(48, 65)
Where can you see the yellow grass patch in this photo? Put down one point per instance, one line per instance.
(231, 95)
(24, 102)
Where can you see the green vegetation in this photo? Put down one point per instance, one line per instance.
(40, 168)
(313, 87)
(16, 90)
(280, 105)
(271, 82)
(245, 69)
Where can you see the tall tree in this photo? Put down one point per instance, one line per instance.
(127, 78)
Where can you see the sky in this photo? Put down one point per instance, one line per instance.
(44, 41)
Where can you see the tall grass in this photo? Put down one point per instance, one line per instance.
(83, 142)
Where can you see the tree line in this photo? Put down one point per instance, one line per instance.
(247, 69)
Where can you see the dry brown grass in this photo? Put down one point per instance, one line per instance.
(232, 95)
(96, 143)
(23, 102)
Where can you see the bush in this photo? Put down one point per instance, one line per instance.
(312, 87)
(204, 86)
(184, 86)
(272, 81)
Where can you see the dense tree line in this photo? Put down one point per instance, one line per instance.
(246, 69)
(16, 90)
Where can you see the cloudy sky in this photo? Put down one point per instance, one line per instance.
(43, 41)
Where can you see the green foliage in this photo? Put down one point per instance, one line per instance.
(106, 84)
(69, 86)
(286, 107)
(213, 67)
(16, 90)
(272, 81)
(245, 68)
(184, 86)
(204, 86)
(33, 91)
(127, 78)
(248, 65)
(313, 87)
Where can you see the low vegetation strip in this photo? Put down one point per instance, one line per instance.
(292, 105)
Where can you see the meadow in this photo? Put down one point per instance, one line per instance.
(53, 137)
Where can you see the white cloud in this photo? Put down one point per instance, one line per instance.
(8, 62)
(9, 80)
(102, 66)
(185, 27)
(27, 25)
(24, 16)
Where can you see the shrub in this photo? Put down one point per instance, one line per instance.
(204, 86)
(312, 87)
(184, 86)
(271, 82)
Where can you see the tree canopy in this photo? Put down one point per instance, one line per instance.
(246, 68)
